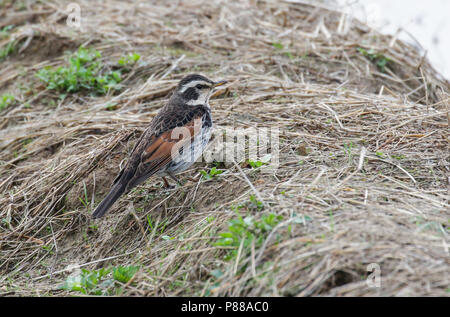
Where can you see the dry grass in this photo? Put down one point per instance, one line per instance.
(364, 154)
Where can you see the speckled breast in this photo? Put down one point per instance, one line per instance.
(189, 154)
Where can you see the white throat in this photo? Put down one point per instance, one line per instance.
(202, 99)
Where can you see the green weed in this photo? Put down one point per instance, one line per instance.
(379, 59)
(245, 230)
(89, 282)
(85, 200)
(129, 59)
(209, 175)
(348, 149)
(256, 164)
(280, 47)
(255, 204)
(160, 227)
(84, 73)
(124, 274)
(100, 282)
(4, 32)
(7, 50)
(6, 100)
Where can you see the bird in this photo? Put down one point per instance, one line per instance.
(172, 142)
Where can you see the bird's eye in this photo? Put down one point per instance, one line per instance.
(199, 86)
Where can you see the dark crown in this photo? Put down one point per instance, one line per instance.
(193, 77)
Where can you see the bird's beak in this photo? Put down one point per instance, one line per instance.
(219, 83)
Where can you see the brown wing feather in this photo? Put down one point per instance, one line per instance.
(163, 149)
(163, 145)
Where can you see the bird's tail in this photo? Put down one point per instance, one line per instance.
(109, 200)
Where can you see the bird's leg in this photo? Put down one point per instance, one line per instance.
(166, 183)
(174, 178)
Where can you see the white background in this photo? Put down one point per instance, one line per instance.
(427, 21)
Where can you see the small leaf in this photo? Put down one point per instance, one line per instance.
(278, 45)
(217, 273)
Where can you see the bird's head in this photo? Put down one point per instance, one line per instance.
(196, 89)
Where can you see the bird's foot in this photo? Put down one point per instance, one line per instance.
(169, 186)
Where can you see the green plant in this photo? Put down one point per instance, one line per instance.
(4, 32)
(100, 282)
(85, 200)
(111, 106)
(280, 47)
(6, 100)
(300, 219)
(255, 203)
(84, 73)
(379, 59)
(88, 282)
(47, 248)
(93, 227)
(129, 59)
(213, 172)
(256, 164)
(149, 222)
(9, 48)
(398, 157)
(245, 230)
(161, 226)
(348, 149)
(124, 274)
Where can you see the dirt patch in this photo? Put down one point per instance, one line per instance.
(37, 46)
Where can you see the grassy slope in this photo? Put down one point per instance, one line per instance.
(363, 155)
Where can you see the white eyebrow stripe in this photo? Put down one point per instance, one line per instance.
(193, 84)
